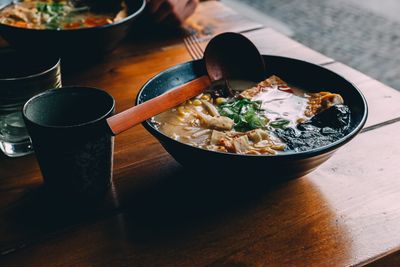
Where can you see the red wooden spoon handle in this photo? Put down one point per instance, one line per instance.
(137, 114)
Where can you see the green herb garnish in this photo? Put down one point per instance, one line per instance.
(55, 12)
(58, 13)
(245, 113)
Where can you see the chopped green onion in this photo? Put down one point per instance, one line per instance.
(245, 113)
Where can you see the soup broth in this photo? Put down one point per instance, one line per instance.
(269, 118)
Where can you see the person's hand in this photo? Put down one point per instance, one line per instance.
(171, 11)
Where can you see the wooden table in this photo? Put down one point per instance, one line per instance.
(347, 212)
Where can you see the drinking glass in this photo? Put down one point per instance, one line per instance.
(22, 76)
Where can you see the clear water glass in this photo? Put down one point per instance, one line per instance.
(21, 77)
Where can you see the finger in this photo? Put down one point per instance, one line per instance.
(163, 12)
(154, 5)
(188, 10)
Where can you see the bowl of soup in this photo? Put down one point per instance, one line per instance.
(282, 127)
(60, 28)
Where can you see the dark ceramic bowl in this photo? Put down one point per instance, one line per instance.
(72, 44)
(279, 167)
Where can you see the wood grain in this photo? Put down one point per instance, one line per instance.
(271, 42)
(387, 259)
(213, 17)
(134, 164)
(157, 213)
(383, 101)
(353, 75)
(329, 218)
(362, 200)
(210, 19)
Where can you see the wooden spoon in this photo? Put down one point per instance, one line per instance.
(227, 56)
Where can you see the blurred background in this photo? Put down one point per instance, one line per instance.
(364, 34)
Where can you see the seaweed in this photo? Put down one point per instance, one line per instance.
(321, 130)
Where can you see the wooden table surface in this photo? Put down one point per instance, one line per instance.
(347, 212)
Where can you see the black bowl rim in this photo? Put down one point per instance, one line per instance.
(305, 154)
(45, 70)
(128, 18)
(66, 88)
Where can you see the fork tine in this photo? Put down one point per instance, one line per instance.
(197, 43)
(196, 47)
(198, 53)
(192, 44)
(189, 48)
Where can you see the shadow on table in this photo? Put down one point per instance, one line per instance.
(190, 198)
(185, 211)
(188, 212)
(187, 200)
(168, 205)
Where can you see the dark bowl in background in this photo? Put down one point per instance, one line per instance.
(280, 167)
(73, 45)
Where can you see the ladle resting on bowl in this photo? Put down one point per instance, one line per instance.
(227, 56)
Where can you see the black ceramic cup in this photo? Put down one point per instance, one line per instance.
(71, 139)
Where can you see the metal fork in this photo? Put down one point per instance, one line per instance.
(193, 46)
